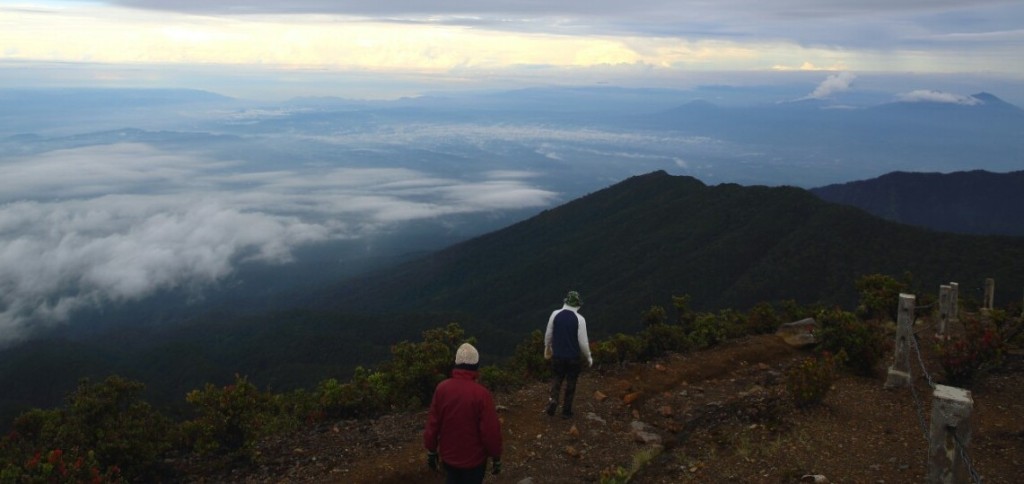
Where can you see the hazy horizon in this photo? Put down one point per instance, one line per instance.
(484, 111)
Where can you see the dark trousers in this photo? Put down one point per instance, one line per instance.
(568, 371)
(455, 475)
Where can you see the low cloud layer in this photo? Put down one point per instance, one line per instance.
(931, 96)
(87, 226)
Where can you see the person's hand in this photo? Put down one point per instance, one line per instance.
(548, 353)
(590, 360)
(496, 466)
(432, 460)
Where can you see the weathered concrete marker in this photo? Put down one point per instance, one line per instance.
(899, 372)
(951, 412)
(945, 307)
(990, 293)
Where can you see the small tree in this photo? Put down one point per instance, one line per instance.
(654, 315)
(685, 316)
(878, 296)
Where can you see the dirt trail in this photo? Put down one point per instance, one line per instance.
(548, 449)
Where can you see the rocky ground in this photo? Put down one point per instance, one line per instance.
(719, 415)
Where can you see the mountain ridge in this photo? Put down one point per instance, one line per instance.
(967, 202)
(653, 236)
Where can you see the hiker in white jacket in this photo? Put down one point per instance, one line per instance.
(566, 345)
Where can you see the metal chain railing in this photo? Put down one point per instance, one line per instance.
(920, 361)
(962, 450)
(913, 391)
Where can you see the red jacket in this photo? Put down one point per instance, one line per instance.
(462, 424)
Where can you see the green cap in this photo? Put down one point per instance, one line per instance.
(573, 299)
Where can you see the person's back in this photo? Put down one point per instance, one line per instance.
(565, 342)
(462, 424)
(565, 334)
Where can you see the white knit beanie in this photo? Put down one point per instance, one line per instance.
(467, 355)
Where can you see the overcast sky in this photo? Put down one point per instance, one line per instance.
(388, 48)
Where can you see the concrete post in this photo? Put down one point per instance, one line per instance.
(990, 293)
(954, 299)
(951, 411)
(945, 307)
(899, 372)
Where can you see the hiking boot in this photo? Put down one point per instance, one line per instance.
(566, 415)
(550, 410)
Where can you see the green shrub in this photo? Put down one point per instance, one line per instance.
(415, 369)
(685, 316)
(107, 422)
(879, 296)
(231, 419)
(499, 379)
(618, 349)
(528, 361)
(863, 342)
(810, 379)
(707, 331)
(112, 419)
(659, 339)
(762, 318)
(654, 315)
(733, 323)
(363, 396)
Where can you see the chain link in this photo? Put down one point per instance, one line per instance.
(917, 401)
(963, 456)
(919, 408)
(920, 360)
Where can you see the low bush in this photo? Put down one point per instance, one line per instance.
(658, 339)
(810, 380)
(107, 425)
(528, 361)
(707, 331)
(498, 379)
(863, 342)
(58, 466)
(618, 349)
(231, 419)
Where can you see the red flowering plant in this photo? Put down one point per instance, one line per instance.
(965, 357)
(60, 467)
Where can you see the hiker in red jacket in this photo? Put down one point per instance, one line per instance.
(462, 424)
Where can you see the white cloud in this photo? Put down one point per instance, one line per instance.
(87, 226)
(930, 96)
(833, 84)
(58, 257)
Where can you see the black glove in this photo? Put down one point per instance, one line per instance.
(432, 460)
(496, 467)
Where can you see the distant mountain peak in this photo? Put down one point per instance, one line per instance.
(989, 99)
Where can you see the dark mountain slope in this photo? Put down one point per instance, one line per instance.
(626, 248)
(972, 202)
(641, 241)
